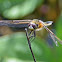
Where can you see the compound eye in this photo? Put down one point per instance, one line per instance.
(34, 26)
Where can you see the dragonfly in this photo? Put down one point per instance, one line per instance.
(33, 26)
(37, 25)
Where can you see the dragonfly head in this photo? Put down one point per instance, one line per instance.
(35, 24)
(32, 26)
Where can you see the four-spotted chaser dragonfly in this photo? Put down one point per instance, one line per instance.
(32, 25)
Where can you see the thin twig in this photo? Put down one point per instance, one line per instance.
(30, 45)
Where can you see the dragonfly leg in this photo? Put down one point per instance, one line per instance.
(30, 33)
(32, 37)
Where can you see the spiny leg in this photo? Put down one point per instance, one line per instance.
(32, 35)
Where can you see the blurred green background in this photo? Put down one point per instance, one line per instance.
(13, 43)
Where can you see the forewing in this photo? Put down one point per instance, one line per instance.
(52, 34)
(54, 39)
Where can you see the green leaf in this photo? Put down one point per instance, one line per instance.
(59, 34)
(59, 26)
(6, 4)
(21, 10)
(16, 47)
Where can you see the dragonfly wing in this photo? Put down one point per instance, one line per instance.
(53, 38)
(59, 40)
(53, 35)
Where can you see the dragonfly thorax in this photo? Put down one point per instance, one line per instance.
(35, 25)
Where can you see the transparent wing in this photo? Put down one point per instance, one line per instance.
(53, 36)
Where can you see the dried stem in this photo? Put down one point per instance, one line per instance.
(30, 45)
